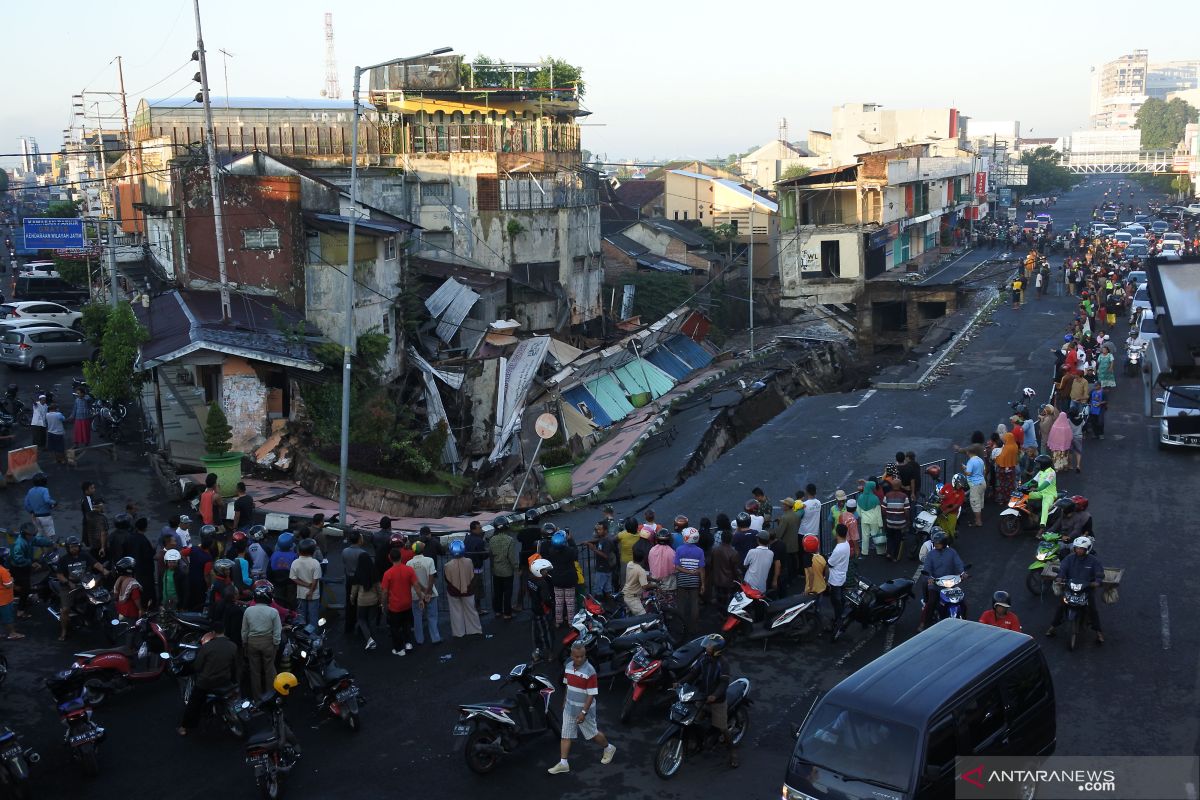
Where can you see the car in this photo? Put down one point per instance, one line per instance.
(1172, 251)
(10, 324)
(1123, 237)
(1107, 230)
(1141, 218)
(1193, 209)
(38, 348)
(1134, 230)
(1141, 299)
(1171, 214)
(1137, 251)
(1179, 423)
(36, 309)
(1109, 216)
(1172, 236)
(1147, 329)
(1137, 277)
(54, 290)
(1159, 226)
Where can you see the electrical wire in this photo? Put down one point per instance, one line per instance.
(162, 80)
(11, 188)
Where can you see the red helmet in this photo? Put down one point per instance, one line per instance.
(811, 544)
(933, 471)
(396, 540)
(238, 536)
(751, 506)
(1081, 502)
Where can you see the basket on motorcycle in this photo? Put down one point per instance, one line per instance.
(1109, 587)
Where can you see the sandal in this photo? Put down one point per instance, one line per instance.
(14, 636)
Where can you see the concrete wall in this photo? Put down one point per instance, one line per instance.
(244, 401)
(390, 502)
(160, 236)
(800, 271)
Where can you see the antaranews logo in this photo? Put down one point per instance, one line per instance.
(1084, 780)
(1077, 777)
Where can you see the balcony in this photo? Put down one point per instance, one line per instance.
(522, 137)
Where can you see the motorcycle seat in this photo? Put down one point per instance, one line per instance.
(736, 691)
(195, 619)
(894, 588)
(652, 640)
(265, 736)
(785, 603)
(333, 673)
(618, 625)
(221, 692)
(684, 656)
(507, 702)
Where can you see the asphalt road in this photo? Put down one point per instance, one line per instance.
(1135, 695)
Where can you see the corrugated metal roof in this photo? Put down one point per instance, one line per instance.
(451, 302)
(668, 362)
(641, 375)
(691, 352)
(733, 186)
(660, 264)
(369, 226)
(610, 395)
(580, 394)
(250, 103)
(626, 245)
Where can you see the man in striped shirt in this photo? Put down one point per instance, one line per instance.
(579, 709)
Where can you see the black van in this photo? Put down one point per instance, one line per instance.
(55, 290)
(893, 728)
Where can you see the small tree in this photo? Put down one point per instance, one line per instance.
(217, 432)
(111, 376)
(794, 171)
(95, 320)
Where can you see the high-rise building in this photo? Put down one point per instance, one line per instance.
(1118, 91)
(30, 155)
(1172, 76)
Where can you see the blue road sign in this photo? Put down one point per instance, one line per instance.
(52, 233)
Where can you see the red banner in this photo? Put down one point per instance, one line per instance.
(980, 183)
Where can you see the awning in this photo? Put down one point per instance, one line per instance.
(610, 395)
(367, 227)
(662, 264)
(905, 223)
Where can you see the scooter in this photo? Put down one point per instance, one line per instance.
(332, 685)
(951, 598)
(118, 669)
(1023, 513)
(224, 704)
(751, 614)
(15, 760)
(869, 604)
(487, 732)
(658, 668)
(1135, 356)
(268, 750)
(1076, 598)
(1051, 549)
(91, 605)
(691, 732)
(82, 733)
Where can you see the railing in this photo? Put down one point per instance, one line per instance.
(923, 490)
(559, 137)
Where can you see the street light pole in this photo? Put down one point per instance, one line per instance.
(348, 308)
(214, 181)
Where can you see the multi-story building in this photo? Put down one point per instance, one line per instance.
(1118, 91)
(868, 127)
(1166, 77)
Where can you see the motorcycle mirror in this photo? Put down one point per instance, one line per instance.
(165, 656)
(321, 622)
(115, 622)
(495, 676)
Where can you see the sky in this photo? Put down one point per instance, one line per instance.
(663, 79)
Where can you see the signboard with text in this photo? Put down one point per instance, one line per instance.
(981, 183)
(43, 233)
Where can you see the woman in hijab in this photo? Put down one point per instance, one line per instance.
(1046, 419)
(1006, 468)
(1059, 441)
(870, 519)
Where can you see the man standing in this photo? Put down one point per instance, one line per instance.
(261, 632)
(306, 574)
(460, 574)
(477, 551)
(183, 533)
(210, 501)
(810, 522)
(425, 595)
(611, 522)
(40, 506)
(895, 518)
(215, 667)
(764, 505)
(976, 481)
(758, 564)
(788, 529)
(91, 509)
(504, 567)
(839, 565)
(350, 557)
(38, 422)
(397, 588)
(243, 508)
(579, 709)
(604, 560)
(689, 578)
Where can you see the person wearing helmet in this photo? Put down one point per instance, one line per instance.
(563, 557)
(689, 578)
(1000, 614)
(744, 537)
(173, 579)
(710, 676)
(541, 603)
(1044, 486)
(279, 567)
(40, 507)
(261, 632)
(941, 560)
(215, 667)
(661, 561)
(306, 574)
(7, 612)
(1081, 566)
(70, 571)
(221, 594)
(1076, 520)
(127, 590)
(257, 552)
(605, 559)
(460, 580)
(815, 584)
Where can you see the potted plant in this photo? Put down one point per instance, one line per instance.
(557, 464)
(218, 458)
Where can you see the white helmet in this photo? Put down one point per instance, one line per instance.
(1029, 392)
(172, 555)
(1084, 542)
(691, 535)
(539, 566)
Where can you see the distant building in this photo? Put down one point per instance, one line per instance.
(868, 127)
(767, 164)
(31, 156)
(1120, 87)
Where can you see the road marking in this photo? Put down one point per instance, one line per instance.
(1189, 789)
(888, 637)
(865, 398)
(957, 406)
(1166, 621)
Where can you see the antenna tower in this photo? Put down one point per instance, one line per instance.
(783, 130)
(333, 89)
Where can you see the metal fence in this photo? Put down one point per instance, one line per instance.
(926, 486)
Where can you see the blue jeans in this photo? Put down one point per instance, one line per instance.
(602, 583)
(427, 617)
(309, 610)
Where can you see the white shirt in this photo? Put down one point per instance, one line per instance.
(183, 538)
(810, 523)
(758, 566)
(839, 562)
(39, 414)
(756, 522)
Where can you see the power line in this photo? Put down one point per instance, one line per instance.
(163, 80)
(11, 188)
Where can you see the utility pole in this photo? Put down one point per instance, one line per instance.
(113, 295)
(135, 152)
(750, 263)
(214, 181)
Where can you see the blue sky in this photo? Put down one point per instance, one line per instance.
(700, 78)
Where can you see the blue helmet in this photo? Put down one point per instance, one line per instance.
(457, 548)
(285, 541)
(1068, 337)
(559, 539)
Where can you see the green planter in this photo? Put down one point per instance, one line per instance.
(639, 400)
(227, 468)
(558, 481)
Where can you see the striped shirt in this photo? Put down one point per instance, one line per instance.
(581, 681)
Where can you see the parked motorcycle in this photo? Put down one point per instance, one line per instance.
(267, 750)
(869, 604)
(332, 685)
(118, 669)
(690, 730)
(107, 417)
(610, 643)
(657, 668)
(82, 735)
(1075, 597)
(491, 730)
(12, 406)
(91, 605)
(15, 760)
(753, 615)
(223, 704)
(1024, 513)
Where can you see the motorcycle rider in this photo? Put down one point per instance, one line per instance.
(941, 560)
(541, 603)
(710, 676)
(127, 590)
(77, 559)
(216, 666)
(1043, 487)
(1076, 520)
(1000, 615)
(1081, 567)
(257, 552)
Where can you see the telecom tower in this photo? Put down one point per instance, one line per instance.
(333, 89)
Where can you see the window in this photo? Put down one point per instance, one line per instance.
(260, 238)
(940, 751)
(831, 258)
(676, 215)
(685, 216)
(442, 241)
(979, 721)
(1023, 687)
(844, 740)
(435, 193)
(389, 248)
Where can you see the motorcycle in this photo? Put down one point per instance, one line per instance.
(118, 669)
(268, 750)
(1051, 549)
(753, 615)
(690, 731)
(91, 605)
(332, 685)
(488, 731)
(12, 406)
(868, 604)
(15, 760)
(224, 704)
(1075, 597)
(610, 643)
(184, 627)
(659, 667)
(1023, 513)
(1135, 357)
(951, 597)
(83, 736)
(107, 418)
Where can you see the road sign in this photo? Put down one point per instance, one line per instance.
(53, 232)
(545, 426)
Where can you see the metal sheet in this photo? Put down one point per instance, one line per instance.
(436, 414)
(580, 395)
(610, 395)
(451, 302)
(519, 371)
(640, 375)
(688, 350)
(669, 363)
(452, 379)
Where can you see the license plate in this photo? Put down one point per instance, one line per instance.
(83, 738)
(255, 761)
(11, 753)
(346, 694)
(462, 730)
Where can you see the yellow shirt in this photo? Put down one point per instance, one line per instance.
(625, 542)
(814, 575)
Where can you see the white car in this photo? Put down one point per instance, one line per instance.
(1179, 425)
(42, 310)
(10, 324)
(1193, 209)
(1171, 249)
(1173, 236)
(1141, 299)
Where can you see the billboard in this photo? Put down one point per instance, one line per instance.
(43, 233)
